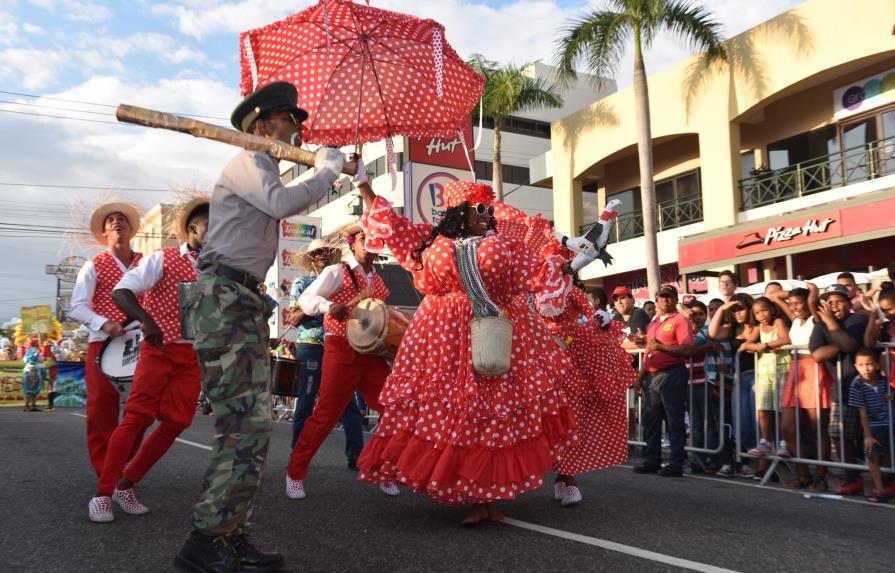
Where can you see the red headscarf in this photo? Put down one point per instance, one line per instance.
(458, 192)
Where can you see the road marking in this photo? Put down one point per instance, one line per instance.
(181, 440)
(618, 547)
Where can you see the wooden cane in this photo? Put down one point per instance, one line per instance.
(280, 150)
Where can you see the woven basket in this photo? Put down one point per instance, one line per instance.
(491, 338)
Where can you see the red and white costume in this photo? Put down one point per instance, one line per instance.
(92, 306)
(166, 380)
(344, 369)
(446, 431)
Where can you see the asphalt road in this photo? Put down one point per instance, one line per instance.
(625, 523)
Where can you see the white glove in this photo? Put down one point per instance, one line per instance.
(329, 158)
(602, 318)
(361, 175)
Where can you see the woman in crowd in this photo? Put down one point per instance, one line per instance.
(446, 431)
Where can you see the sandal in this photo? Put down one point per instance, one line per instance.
(820, 484)
(799, 482)
(877, 496)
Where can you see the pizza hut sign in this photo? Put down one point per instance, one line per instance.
(812, 226)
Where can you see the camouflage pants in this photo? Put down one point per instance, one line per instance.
(231, 340)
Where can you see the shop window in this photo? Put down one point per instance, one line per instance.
(512, 174)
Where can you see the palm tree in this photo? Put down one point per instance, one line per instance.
(597, 42)
(510, 89)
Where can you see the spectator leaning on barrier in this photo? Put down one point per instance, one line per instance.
(881, 328)
(669, 338)
(625, 311)
(836, 337)
(718, 365)
(872, 397)
(700, 410)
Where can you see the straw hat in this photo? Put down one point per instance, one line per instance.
(183, 215)
(98, 218)
(305, 258)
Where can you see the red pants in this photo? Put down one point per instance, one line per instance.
(102, 408)
(344, 371)
(165, 388)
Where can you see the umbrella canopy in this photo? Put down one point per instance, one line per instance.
(363, 74)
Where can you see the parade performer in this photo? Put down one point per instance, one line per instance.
(309, 351)
(447, 431)
(229, 318)
(113, 225)
(52, 374)
(334, 293)
(166, 380)
(32, 375)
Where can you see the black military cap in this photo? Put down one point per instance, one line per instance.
(277, 95)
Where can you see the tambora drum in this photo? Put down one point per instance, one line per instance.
(285, 376)
(375, 328)
(118, 359)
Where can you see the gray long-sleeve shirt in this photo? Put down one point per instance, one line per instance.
(248, 201)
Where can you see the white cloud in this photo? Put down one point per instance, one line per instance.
(32, 28)
(75, 10)
(34, 69)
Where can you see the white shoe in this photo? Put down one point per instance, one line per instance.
(295, 488)
(572, 496)
(127, 500)
(390, 489)
(559, 490)
(100, 509)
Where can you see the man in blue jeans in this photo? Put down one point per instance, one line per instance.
(664, 376)
(309, 351)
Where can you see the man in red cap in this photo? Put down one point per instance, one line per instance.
(627, 312)
(113, 225)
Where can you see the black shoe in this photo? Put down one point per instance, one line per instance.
(251, 559)
(352, 462)
(671, 470)
(646, 468)
(206, 554)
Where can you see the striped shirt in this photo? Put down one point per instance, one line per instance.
(875, 398)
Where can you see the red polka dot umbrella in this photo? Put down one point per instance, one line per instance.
(363, 74)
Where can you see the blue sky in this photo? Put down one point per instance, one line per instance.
(182, 56)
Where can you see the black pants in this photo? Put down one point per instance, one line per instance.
(666, 400)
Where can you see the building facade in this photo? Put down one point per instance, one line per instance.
(779, 163)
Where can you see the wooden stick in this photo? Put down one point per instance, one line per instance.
(280, 150)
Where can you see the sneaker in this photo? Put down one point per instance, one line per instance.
(854, 487)
(559, 490)
(253, 559)
(571, 497)
(745, 472)
(671, 470)
(100, 509)
(647, 468)
(763, 448)
(204, 553)
(726, 471)
(295, 488)
(127, 500)
(783, 450)
(390, 489)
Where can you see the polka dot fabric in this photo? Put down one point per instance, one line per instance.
(363, 73)
(447, 432)
(595, 386)
(161, 300)
(108, 273)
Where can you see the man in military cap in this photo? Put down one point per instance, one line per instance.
(231, 333)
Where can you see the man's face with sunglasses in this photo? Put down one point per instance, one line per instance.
(478, 218)
(281, 124)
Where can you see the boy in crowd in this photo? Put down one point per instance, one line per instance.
(872, 397)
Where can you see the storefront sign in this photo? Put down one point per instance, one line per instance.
(423, 197)
(443, 152)
(296, 233)
(781, 234)
(863, 95)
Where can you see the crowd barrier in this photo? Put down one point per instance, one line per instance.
(716, 425)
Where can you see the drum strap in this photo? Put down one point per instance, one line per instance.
(353, 278)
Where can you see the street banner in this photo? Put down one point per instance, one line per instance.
(37, 319)
(295, 234)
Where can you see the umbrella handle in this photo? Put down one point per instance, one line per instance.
(280, 150)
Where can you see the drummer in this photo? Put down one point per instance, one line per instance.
(113, 225)
(166, 380)
(335, 291)
(318, 255)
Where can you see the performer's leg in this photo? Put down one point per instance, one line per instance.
(341, 376)
(121, 444)
(375, 371)
(102, 408)
(311, 357)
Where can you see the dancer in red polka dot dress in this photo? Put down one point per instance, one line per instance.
(446, 431)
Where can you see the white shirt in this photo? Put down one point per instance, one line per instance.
(800, 332)
(82, 301)
(149, 272)
(314, 300)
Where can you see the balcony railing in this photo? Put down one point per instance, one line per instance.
(669, 215)
(868, 161)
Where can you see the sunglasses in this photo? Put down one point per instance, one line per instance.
(483, 209)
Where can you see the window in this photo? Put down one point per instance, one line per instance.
(747, 163)
(512, 174)
(521, 126)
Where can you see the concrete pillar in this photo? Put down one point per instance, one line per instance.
(719, 151)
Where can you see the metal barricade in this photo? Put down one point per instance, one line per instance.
(820, 433)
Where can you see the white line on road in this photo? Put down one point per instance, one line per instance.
(181, 440)
(618, 547)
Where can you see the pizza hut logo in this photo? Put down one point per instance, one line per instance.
(782, 234)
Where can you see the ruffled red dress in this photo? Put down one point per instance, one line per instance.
(446, 431)
(596, 387)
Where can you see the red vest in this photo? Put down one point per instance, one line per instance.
(108, 273)
(161, 300)
(348, 291)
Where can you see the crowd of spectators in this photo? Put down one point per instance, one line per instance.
(830, 397)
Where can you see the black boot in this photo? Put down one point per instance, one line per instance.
(251, 559)
(352, 462)
(206, 554)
